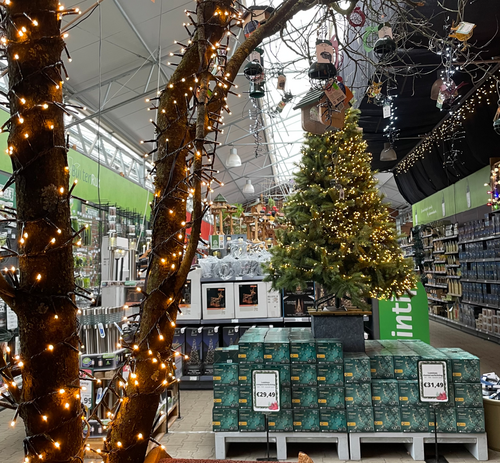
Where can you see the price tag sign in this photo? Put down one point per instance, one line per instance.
(265, 390)
(86, 394)
(433, 381)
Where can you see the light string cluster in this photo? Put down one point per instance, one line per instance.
(485, 95)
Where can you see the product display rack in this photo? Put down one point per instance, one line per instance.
(462, 274)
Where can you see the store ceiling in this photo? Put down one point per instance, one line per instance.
(120, 55)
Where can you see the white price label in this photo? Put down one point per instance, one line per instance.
(387, 111)
(86, 393)
(265, 390)
(433, 381)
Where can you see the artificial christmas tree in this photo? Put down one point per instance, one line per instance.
(339, 233)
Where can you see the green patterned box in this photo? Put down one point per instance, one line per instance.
(303, 374)
(285, 398)
(302, 351)
(224, 419)
(470, 419)
(359, 419)
(226, 354)
(226, 373)
(245, 397)
(226, 396)
(245, 372)
(276, 351)
(446, 419)
(331, 397)
(387, 419)
(306, 420)
(284, 369)
(409, 394)
(332, 421)
(468, 395)
(405, 365)
(465, 366)
(251, 350)
(416, 419)
(381, 365)
(329, 351)
(305, 397)
(330, 374)
(250, 420)
(385, 392)
(358, 395)
(356, 367)
(281, 421)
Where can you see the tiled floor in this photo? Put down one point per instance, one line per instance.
(191, 436)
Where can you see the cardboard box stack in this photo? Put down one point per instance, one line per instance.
(323, 389)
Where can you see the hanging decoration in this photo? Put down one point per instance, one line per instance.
(385, 46)
(496, 120)
(452, 156)
(356, 18)
(281, 81)
(373, 91)
(254, 70)
(463, 32)
(369, 38)
(448, 92)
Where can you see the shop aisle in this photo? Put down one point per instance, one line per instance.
(487, 351)
(191, 436)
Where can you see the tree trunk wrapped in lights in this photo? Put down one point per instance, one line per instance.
(43, 296)
(339, 232)
(187, 138)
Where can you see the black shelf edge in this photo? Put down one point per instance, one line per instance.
(436, 286)
(454, 277)
(484, 238)
(436, 299)
(469, 280)
(488, 259)
(466, 329)
(452, 265)
(480, 304)
(228, 321)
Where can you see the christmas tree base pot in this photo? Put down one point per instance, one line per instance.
(349, 329)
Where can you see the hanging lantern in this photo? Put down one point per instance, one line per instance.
(385, 45)
(496, 121)
(257, 90)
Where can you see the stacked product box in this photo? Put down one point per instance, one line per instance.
(323, 389)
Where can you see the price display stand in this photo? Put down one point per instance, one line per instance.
(266, 398)
(433, 388)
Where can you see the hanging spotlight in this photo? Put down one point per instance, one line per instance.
(388, 153)
(248, 189)
(233, 160)
(385, 45)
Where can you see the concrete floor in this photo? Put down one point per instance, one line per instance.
(191, 436)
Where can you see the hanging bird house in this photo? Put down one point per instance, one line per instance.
(258, 13)
(316, 115)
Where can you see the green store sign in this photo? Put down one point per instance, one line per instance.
(94, 182)
(405, 317)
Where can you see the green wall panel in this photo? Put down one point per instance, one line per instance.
(466, 194)
(115, 189)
